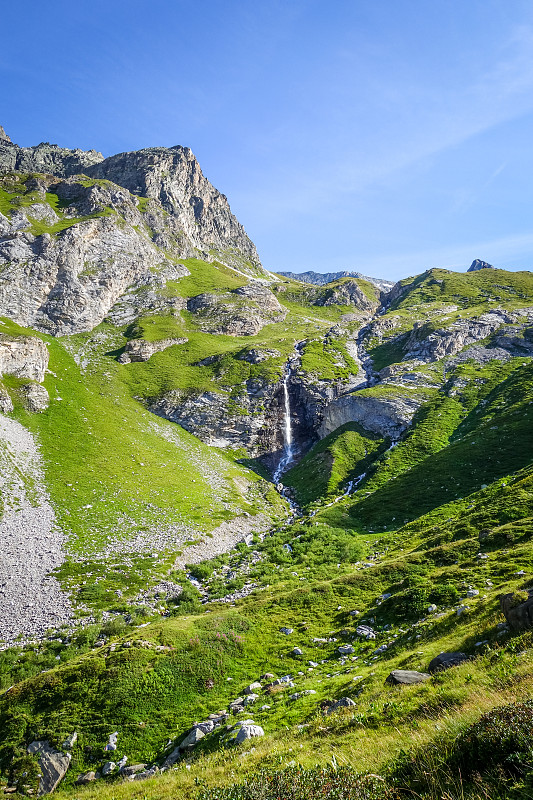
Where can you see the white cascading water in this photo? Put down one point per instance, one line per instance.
(288, 455)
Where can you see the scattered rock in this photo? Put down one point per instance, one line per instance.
(108, 768)
(133, 769)
(406, 677)
(446, 660)
(253, 687)
(344, 702)
(345, 650)
(70, 741)
(87, 777)
(248, 731)
(365, 631)
(112, 741)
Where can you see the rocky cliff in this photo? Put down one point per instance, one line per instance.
(202, 221)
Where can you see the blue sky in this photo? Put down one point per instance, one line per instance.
(386, 136)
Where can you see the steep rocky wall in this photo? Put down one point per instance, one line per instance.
(173, 176)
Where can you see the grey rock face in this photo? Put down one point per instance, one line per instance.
(141, 350)
(3, 135)
(446, 660)
(173, 176)
(406, 677)
(478, 264)
(6, 404)
(23, 356)
(387, 415)
(53, 765)
(68, 283)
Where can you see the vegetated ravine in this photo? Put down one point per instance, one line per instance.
(262, 537)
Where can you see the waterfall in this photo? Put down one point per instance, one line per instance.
(288, 455)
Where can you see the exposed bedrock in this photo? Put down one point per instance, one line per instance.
(388, 416)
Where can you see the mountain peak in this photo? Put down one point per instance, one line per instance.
(3, 136)
(478, 264)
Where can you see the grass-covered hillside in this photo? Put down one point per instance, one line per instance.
(203, 594)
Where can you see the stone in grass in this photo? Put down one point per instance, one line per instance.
(344, 702)
(286, 631)
(248, 731)
(252, 688)
(446, 660)
(192, 739)
(86, 777)
(406, 677)
(108, 768)
(296, 651)
(70, 741)
(112, 741)
(133, 769)
(365, 631)
(53, 765)
(345, 650)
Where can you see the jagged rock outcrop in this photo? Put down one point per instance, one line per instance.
(45, 157)
(243, 312)
(250, 419)
(349, 293)
(141, 350)
(427, 344)
(174, 178)
(23, 356)
(478, 264)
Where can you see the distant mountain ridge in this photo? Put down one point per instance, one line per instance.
(321, 278)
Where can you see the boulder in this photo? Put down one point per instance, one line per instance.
(133, 769)
(112, 741)
(406, 677)
(345, 650)
(87, 777)
(53, 765)
(519, 615)
(446, 660)
(344, 702)
(205, 727)
(36, 397)
(141, 350)
(248, 731)
(192, 739)
(108, 768)
(365, 631)
(252, 688)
